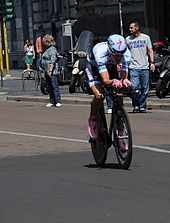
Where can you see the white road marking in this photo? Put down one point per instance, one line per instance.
(152, 149)
(79, 140)
(43, 136)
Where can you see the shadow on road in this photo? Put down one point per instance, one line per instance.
(106, 166)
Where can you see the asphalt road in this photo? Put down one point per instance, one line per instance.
(48, 173)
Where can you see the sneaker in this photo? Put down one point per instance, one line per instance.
(142, 110)
(92, 127)
(49, 105)
(123, 146)
(135, 109)
(109, 111)
(58, 105)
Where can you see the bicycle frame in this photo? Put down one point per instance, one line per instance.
(117, 103)
(119, 132)
(117, 99)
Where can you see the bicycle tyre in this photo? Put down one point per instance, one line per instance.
(124, 158)
(72, 84)
(161, 90)
(99, 146)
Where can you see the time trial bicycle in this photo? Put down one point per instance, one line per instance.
(119, 129)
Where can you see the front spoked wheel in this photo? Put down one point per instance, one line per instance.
(99, 146)
(123, 138)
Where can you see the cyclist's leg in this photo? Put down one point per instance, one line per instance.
(121, 132)
(113, 74)
(95, 85)
(96, 104)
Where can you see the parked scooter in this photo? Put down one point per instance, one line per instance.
(81, 51)
(163, 84)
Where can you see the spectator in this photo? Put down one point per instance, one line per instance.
(29, 55)
(48, 63)
(39, 47)
(140, 47)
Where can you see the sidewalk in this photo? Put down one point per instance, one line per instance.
(12, 90)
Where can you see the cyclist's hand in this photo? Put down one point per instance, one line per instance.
(126, 82)
(116, 83)
(96, 92)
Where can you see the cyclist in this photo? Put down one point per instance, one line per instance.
(108, 65)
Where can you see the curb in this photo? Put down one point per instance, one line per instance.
(84, 100)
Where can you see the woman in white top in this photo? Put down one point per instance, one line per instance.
(29, 54)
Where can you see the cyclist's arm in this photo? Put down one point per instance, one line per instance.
(96, 91)
(91, 80)
(106, 79)
(125, 65)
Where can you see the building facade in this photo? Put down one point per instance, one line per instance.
(102, 17)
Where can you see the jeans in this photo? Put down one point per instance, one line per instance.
(54, 91)
(39, 55)
(109, 102)
(140, 84)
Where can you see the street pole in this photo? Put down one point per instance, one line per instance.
(120, 17)
(6, 46)
(1, 57)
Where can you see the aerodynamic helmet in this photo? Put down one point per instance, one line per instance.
(116, 44)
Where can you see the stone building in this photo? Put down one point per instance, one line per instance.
(102, 17)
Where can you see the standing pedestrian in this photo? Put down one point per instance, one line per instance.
(49, 64)
(39, 47)
(29, 55)
(140, 47)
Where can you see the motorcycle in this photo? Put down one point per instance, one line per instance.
(163, 84)
(154, 77)
(81, 51)
(161, 53)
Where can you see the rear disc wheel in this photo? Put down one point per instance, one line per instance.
(99, 146)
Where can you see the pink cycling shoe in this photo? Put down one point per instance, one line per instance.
(123, 146)
(92, 127)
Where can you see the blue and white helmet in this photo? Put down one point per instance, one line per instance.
(116, 44)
